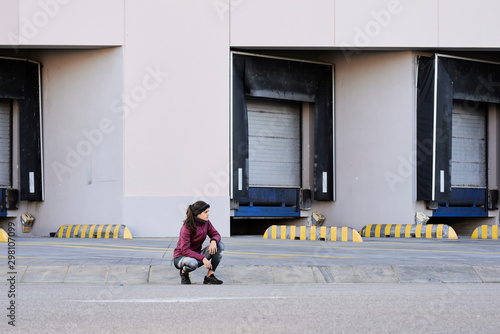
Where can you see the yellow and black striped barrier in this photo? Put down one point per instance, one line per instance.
(107, 231)
(3, 235)
(439, 231)
(327, 233)
(486, 232)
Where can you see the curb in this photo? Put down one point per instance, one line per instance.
(107, 231)
(439, 231)
(486, 232)
(248, 275)
(323, 233)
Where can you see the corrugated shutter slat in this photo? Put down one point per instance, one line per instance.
(468, 166)
(5, 144)
(274, 143)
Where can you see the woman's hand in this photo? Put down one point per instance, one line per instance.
(208, 264)
(212, 248)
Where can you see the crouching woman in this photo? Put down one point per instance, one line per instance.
(188, 254)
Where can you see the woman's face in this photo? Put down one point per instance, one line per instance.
(204, 215)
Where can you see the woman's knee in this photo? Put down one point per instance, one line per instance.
(220, 246)
(189, 264)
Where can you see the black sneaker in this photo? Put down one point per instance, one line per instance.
(211, 280)
(185, 278)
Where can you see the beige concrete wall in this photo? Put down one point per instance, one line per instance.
(386, 23)
(370, 23)
(290, 23)
(282, 23)
(9, 22)
(176, 120)
(468, 24)
(375, 139)
(61, 23)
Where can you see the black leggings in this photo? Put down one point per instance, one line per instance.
(188, 264)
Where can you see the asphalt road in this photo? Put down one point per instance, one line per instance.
(290, 308)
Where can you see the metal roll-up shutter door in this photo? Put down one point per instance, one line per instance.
(468, 166)
(5, 144)
(274, 143)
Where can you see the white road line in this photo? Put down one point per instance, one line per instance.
(175, 300)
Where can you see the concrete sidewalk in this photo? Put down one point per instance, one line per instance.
(253, 260)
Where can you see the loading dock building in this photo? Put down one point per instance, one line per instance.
(125, 111)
